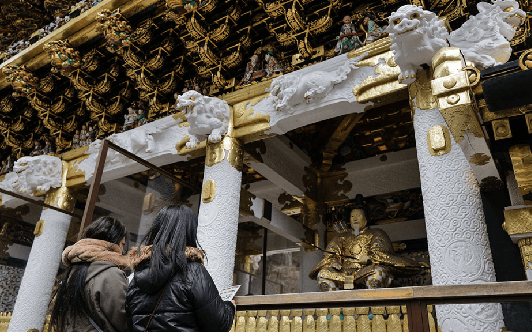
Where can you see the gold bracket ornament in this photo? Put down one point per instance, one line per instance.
(208, 191)
(473, 74)
(61, 197)
(525, 60)
(216, 153)
(521, 157)
(501, 129)
(39, 228)
(525, 245)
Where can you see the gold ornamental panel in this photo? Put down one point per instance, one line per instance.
(501, 129)
(438, 140)
(525, 245)
(216, 153)
(39, 228)
(518, 221)
(521, 157)
(208, 191)
(61, 197)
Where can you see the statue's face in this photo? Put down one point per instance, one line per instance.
(358, 218)
(347, 19)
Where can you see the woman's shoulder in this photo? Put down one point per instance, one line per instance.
(102, 269)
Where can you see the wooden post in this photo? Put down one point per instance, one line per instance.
(95, 187)
(418, 319)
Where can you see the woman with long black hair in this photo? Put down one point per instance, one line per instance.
(91, 294)
(171, 290)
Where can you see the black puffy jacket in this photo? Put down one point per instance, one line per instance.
(190, 302)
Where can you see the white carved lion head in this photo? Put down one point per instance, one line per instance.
(409, 21)
(34, 173)
(203, 113)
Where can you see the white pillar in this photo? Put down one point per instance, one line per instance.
(38, 281)
(456, 231)
(218, 219)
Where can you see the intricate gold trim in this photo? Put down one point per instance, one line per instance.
(421, 92)
(518, 221)
(384, 83)
(525, 60)
(521, 157)
(525, 245)
(452, 88)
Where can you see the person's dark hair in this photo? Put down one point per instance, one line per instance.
(70, 302)
(174, 229)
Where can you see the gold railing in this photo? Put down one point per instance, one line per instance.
(381, 310)
(5, 318)
(361, 319)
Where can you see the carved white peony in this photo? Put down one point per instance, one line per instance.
(417, 35)
(484, 38)
(31, 174)
(207, 117)
(291, 90)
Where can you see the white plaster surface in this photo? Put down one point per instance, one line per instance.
(267, 190)
(404, 230)
(39, 276)
(456, 231)
(218, 222)
(280, 223)
(371, 176)
(154, 142)
(283, 165)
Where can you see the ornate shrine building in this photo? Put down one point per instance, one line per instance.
(365, 164)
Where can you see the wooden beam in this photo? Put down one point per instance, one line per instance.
(94, 189)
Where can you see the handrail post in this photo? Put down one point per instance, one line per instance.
(418, 319)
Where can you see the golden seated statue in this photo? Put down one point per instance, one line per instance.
(363, 256)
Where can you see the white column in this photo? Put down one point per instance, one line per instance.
(456, 231)
(218, 219)
(40, 273)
